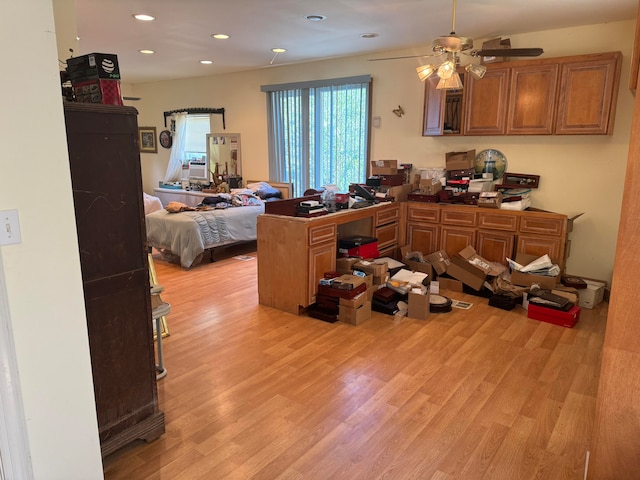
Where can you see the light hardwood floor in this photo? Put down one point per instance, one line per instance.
(253, 392)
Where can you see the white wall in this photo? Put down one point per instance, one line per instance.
(42, 274)
(578, 173)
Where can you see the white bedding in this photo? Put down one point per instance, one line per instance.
(188, 234)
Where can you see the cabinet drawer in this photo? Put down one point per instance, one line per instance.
(421, 214)
(322, 233)
(387, 215)
(542, 225)
(387, 235)
(498, 221)
(459, 217)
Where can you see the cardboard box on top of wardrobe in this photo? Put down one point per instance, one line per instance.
(384, 167)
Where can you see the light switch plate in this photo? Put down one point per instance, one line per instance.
(9, 227)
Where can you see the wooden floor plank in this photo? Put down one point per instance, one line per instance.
(256, 393)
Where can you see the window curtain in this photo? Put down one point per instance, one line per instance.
(174, 168)
(319, 132)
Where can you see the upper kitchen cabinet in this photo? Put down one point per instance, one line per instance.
(442, 109)
(551, 96)
(532, 104)
(588, 93)
(486, 103)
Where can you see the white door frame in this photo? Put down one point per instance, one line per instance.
(15, 458)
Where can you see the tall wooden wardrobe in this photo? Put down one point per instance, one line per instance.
(107, 192)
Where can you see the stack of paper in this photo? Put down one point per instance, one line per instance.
(540, 266)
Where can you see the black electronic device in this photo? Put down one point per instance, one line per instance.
(364, 193)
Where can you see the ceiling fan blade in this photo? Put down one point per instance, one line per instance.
(132, 99)
(508, 52)
(398, 58)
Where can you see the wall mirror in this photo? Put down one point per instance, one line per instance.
(223, 154)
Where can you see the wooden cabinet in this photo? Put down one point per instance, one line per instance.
(532, 104)
(486, 103)
(294, 252)
(443, 109)
(588, 90)
(548, 96)
(495, 234)
(107, 194)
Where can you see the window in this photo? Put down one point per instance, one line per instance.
(195, 142)
(318, 132)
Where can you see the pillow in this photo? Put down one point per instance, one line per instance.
(264, 190)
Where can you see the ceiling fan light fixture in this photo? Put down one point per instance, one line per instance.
(425, 71)
(452, 83)
(447, 69)
(476, 71)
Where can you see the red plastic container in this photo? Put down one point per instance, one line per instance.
(557, 317)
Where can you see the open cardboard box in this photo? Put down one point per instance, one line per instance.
(413, 265)
(528, 279)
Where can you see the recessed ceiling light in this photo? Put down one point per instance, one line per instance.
(369, 35)
(220, 36)
(206, 62)
(147, 52)
(143, 17)
(315, 18)
(278, 50)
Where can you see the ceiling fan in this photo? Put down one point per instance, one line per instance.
(452, 46)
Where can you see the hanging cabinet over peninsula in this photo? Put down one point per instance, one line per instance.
(573, 95)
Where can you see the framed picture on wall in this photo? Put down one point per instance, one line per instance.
(147, 139)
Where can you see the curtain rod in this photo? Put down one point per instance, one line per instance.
(217, 111)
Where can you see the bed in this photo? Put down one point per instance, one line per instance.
(188, 234)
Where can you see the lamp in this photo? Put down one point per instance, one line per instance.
(454, 82)
(425, 71)
(477, 71)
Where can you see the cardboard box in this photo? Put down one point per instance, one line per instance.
(381, 279)
(469, 274)
(418, 303)
(415, 266)
(557, 317)
(372, 268)
(354, 302)
(430, 186)
(371, 291)
(460, 160)
(384, 167)
(345, 264)
(469, 253)
(355, 316)
(451, 284)
(93, 66)
(440, 261)
(347, 282)
(591, 296)
(528, 279)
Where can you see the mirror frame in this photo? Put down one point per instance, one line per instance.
(228, 137)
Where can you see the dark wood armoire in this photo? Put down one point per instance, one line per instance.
(104, 157)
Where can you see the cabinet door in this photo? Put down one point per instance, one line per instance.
(423, 238)
(495, 246)
(433, 123)
(486, 103)
(588, 94)
(387, 235)
(443, 109)
(532, 100)
(322, 258)
(454, 239)
(541, 245)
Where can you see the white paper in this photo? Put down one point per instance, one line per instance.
(414, 278)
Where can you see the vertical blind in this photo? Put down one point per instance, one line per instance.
(318, 132)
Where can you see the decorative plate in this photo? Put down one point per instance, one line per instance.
(491, 161)
(165, 139)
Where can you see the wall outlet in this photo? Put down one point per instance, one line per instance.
(9, 227)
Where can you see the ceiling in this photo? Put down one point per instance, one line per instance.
(181, 33)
